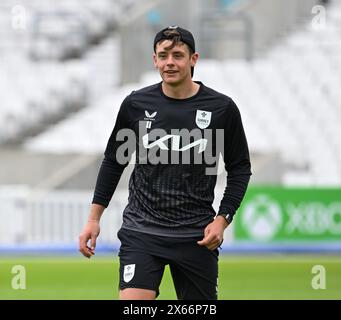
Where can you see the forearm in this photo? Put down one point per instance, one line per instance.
(234, 193)
(107, 181)
(96, 212)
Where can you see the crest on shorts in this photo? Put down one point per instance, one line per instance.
(128, 273)
(203, 119)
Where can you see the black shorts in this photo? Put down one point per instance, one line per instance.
(143, 257)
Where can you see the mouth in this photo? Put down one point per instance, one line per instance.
(169, 72)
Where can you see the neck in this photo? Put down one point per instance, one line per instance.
(183, 91)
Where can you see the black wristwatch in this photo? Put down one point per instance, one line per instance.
(227, 217)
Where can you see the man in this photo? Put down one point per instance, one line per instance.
(169, 218)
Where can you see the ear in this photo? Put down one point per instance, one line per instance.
(154, 60)
(194, 59)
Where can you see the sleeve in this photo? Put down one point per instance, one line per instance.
(111, 169)
(237, 162)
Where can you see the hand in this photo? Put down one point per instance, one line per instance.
(214, 233)
(90, 232)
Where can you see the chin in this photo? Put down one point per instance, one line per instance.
(172, 81)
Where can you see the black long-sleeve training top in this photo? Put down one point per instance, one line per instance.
(171, 189)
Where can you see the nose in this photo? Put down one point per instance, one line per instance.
(169, 60)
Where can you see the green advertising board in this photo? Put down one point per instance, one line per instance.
(277, 214)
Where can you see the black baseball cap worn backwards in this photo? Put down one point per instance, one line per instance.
(185, 37)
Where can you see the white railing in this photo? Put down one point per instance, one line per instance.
(53, 218)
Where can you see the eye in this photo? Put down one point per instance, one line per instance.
(162, 56)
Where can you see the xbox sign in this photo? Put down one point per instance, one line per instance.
(270, 214)
(262, 217)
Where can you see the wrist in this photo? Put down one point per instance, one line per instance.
(222, 220)
(227, 217)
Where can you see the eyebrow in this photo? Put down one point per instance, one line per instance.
(176, 52)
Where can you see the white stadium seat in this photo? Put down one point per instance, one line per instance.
(290, 99)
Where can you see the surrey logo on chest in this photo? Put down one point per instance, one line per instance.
(203, 118)
(149, 118)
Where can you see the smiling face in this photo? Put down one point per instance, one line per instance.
(174, 64)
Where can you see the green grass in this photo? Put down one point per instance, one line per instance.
(240, 277)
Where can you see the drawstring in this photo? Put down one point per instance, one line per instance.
(219, 247)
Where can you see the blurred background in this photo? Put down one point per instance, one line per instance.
(66, 66)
